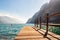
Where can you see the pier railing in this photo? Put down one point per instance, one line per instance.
(47, 17)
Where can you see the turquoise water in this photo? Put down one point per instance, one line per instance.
(8, 31)
(53, 29)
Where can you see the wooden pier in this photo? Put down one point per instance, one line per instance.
(30, 33)
(36, 33)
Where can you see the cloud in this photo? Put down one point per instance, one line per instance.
(16, 17)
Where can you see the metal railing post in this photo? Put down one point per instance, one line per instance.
(47, 19)
(40, 22)
(37, 22)
(34, 23)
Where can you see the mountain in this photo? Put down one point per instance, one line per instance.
(52, 7)
(8, 20)
(38, 14)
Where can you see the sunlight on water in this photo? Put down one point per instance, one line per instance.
(8, 31)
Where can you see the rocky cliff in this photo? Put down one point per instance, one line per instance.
(52, 7)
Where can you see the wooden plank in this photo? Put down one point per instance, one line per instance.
(54, 25)
(50, 36)
(55, 14)
(52, 15)
(28, 33)
(51, 24)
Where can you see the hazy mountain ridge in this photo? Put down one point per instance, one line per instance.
(52, 7)
(8, 20)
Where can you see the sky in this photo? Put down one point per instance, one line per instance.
(20, 9)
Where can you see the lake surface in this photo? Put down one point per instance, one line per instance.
(8, 31)
(54, 29)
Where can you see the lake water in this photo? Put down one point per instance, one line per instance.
(9, 32)
(54, 29)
